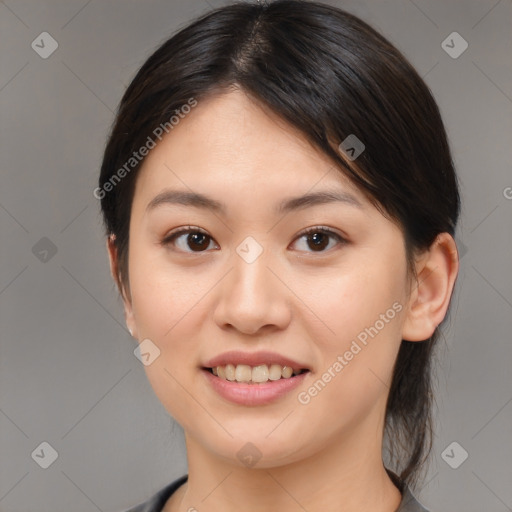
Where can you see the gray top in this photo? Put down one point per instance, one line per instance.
(157, 502)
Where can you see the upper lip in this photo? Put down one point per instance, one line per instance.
(253, 359)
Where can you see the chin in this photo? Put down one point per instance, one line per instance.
(255, 448)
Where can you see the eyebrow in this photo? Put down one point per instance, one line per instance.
(202, 201)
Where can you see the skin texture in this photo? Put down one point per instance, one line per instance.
(303, 303)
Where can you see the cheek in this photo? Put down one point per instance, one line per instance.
(163, 296)
(167, 309)
(354, 377)
(349, 302)
(362, 314)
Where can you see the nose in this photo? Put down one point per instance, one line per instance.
(252, 299)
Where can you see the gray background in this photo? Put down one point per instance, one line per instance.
(68, 375)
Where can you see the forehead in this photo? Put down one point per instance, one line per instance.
(229, 142)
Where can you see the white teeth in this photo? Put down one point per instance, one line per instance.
(256, 374)
(260, 373)
(230, 371)
(275, 371)
(243, 373)
(287, 372)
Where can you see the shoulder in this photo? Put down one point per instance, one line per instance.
(156, 502)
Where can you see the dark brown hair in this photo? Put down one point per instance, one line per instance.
(330, 75)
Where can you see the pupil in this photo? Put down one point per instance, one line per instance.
(197, 238)
(318, 240)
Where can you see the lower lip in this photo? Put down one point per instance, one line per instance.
(253, 394)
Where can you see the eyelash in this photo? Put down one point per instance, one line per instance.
(192, 229)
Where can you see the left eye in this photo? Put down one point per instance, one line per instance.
(317, 238)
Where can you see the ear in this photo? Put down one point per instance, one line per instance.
(437, 270)
(114, 270)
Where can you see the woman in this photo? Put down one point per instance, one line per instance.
(280, 204)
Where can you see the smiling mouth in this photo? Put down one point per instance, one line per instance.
(255, 374)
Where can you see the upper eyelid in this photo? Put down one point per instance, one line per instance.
(327, 229)
(184, 230)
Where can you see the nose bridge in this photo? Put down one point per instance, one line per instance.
(251, 275)
(250, 283)
(251, 296)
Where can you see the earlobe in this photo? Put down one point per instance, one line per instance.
(430, 295)
(114, 270)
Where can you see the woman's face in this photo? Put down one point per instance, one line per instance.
(251, 289)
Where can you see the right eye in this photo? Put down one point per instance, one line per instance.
(196, 239)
